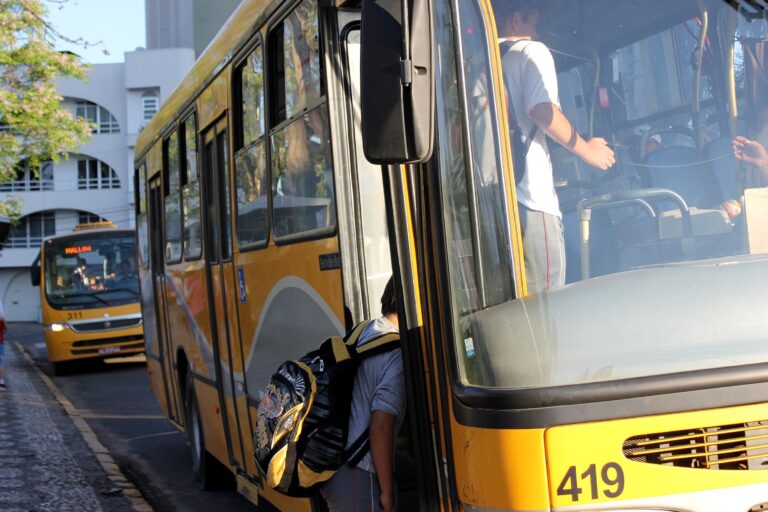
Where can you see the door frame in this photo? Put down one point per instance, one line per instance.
(212, 195)
(156, 228)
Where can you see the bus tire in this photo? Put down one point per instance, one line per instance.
(208, 471)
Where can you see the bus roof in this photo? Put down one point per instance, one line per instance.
(82, 233)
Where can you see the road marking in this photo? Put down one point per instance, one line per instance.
(138, 503)
(159, 434)
(92, 415)
(138, 358)
(40, 348)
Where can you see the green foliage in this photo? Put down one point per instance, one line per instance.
(33, 124)
(10, 207)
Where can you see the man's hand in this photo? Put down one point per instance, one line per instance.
(597, 154)
(553, 122)
(751, 152)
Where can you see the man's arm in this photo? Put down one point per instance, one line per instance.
(553, 122)
(382, 438)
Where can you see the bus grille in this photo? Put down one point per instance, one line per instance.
(106, 325)
(107, 341)
(742, 446)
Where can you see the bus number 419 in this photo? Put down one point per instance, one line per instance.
(611, 474)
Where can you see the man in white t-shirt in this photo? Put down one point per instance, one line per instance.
(530, 80)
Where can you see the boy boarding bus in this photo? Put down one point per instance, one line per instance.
(89, 294)
(639, 384)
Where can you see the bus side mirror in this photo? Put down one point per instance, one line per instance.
(397, 86)
(34, 272)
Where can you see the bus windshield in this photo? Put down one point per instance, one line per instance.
(661, 261)
(91, 271)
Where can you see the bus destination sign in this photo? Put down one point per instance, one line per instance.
(78, 249)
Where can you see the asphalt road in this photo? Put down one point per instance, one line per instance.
(117, 403)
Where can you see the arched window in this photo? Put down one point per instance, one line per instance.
(149, 106)
(84, 217)
(28, 179)
(93, 173)
(31, 230)
(100, 118)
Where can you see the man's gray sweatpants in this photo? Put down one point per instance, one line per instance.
(544, 249)
(352, 490)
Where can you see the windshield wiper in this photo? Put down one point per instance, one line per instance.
(84, 294)
(134, 292)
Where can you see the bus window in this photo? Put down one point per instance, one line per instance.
(662, 223)
(222, 168)
(91, 271)
(172, 195)
(214, 233)
(250, 79)
(299, 67)
(191, 192)
(141, 206)
(477, 232)
(250, 159)
(378, 263)
(302, 178)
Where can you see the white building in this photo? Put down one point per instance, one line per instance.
(97, 182)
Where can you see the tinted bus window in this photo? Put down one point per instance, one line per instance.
(143, 230)
(250, 161)
(172, 200)
(302, 179)
(191, 194)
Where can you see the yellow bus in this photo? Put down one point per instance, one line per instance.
(263, 226)
(89, 294)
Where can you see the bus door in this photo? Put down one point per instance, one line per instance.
(157, 264)
(371, 262)
(221, 280)
(367, 218)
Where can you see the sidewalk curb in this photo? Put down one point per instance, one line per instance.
(138, 503)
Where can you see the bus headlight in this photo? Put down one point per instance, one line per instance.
(56, 327)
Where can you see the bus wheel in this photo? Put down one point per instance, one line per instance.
(208, 471)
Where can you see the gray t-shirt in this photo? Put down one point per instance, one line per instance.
(379, 386)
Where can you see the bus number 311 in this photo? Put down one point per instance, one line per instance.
(611, 474)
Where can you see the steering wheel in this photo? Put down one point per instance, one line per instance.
(682, 130)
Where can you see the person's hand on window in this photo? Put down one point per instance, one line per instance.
(751, 152)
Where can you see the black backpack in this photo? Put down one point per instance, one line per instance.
(302, 421)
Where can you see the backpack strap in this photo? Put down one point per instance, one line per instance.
(357, 450)
(378, 345)
(507, 46)
(343, 348)
(354, 334)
